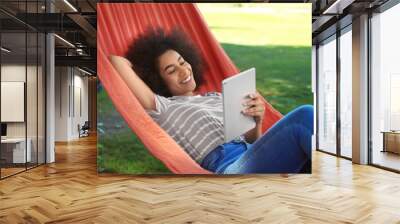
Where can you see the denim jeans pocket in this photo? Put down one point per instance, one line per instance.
(211, 161)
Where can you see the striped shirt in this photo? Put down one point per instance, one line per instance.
(194, 122)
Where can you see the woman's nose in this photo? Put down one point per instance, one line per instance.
(184, 71)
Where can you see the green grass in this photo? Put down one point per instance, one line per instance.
(282, 59)
(283, 72)
(119, 150)
(285, 24)
(122, 152)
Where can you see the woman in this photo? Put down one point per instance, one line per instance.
(169, 69)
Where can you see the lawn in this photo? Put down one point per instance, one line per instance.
(282, 59)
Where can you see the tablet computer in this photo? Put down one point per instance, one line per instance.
(235, 91)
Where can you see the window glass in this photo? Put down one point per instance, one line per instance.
(385, 87)
(327, 96)
(15, 149)
(346, 94)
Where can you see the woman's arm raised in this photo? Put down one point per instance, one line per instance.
(144, 94)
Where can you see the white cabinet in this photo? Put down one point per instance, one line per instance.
(18, 149)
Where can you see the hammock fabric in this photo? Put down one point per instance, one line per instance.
(118, 25)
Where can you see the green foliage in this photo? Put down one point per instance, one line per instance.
(283, 72)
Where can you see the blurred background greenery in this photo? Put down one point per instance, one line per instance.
(273, 38)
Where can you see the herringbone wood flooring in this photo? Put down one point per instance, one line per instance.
(70, 191)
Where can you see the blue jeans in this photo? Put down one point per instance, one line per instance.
(284, 148)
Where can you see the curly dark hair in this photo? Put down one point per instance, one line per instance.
(143, 53)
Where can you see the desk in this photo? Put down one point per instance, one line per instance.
(391, 141)
(15, 148)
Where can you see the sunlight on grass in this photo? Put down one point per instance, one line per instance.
(259, 23)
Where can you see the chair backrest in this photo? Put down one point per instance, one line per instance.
(86, 125)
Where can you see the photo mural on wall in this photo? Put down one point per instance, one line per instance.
(161, 105)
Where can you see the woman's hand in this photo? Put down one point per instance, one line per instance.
(140, 89)
(254, 107)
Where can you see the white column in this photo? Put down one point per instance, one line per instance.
(62, 103)
(360, 90)
(50, 93)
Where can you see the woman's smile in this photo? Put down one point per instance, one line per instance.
(189, 77)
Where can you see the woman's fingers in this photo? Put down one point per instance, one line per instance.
(253, 102)
(252, 95)
(254, 107)
(250, 103)
(254, 111)
(254, 114)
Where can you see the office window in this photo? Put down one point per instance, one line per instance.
(385, 88)
(15, 149)
(327, 95)
(346, 92)
(22, 92)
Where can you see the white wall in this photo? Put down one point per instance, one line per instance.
(71, 94)
(80, 110)
(33, 126)
(61, 103)
(12, 73)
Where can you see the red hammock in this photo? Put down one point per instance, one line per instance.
(118, 25)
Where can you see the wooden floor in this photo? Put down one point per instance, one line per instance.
(10, 171)
(70, 191)
(387, 159)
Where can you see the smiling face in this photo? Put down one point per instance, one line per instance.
(176, 73)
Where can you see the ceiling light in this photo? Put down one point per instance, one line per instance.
(80, 51)
(338, 6)
(70, 5)
(65, 41)
(5, 50)
(84, 71)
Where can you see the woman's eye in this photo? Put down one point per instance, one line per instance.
(183, 62)
(171, 71)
